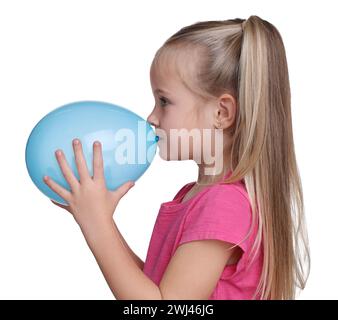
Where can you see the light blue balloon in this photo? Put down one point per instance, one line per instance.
(128, 142)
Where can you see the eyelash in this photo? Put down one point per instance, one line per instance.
(162, 98)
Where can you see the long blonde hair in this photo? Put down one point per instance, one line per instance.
(247, 59)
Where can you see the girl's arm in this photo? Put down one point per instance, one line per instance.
(137, 260)
(124, 277)
(92, 206)
(192, 273)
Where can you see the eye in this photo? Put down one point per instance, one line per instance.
(162, 99)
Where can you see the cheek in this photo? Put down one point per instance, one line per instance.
(171, 145)
(185, 146)
(180, 118)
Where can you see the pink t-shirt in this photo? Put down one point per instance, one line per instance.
(220, 211)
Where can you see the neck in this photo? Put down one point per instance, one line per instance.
(213, 175)
(214, 172)
(210, 179)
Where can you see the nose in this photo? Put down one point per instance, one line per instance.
(153, 120)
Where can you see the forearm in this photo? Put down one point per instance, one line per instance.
(137, 260)
(125, 279)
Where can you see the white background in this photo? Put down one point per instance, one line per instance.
(56, 52)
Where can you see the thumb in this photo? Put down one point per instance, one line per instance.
(122, 190)
(62, 206)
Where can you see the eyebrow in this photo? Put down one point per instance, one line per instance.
(160, 91)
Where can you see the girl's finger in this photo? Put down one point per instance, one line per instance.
(80, 161)
(62, 192)
(66, 170)
(122, 190)
(98, 161)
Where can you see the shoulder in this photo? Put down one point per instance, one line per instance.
(226, 195)
(222, 212)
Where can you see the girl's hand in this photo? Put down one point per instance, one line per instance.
(89, 201)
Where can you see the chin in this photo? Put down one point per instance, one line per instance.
(175, 157)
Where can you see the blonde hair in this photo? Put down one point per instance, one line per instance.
(247, 59)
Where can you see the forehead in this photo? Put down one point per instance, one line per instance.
(175, 65)
(163, 74)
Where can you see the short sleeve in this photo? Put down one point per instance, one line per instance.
(223, 213)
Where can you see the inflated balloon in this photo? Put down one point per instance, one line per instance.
(128, 142)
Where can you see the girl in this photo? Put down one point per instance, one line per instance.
(238, 232)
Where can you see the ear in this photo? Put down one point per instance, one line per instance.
(225, 112)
